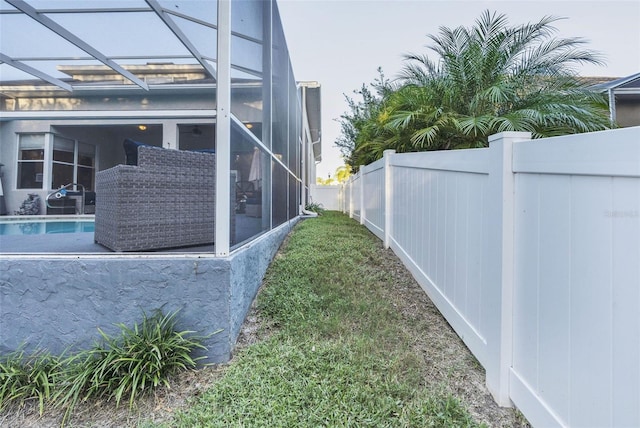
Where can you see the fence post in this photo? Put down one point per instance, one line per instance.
(349, 201)
(388, 196)
(501, 264)
(362, 210)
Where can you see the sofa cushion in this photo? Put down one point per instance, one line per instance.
(131, 151)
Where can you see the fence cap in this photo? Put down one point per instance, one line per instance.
(511, 135)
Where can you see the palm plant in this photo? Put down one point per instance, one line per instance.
(343, 173)
(490, 78)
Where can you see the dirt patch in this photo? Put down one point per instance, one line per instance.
(449, 366)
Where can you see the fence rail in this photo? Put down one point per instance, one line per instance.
(531, 250)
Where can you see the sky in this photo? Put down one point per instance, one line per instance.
(341, 43)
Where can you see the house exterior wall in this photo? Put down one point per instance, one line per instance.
(102, 133)
(8, 158)
(628, 111)
(205, 98)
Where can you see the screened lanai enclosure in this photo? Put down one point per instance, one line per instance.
(175, 118)
(78, 78)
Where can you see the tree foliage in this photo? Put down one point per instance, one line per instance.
(340, 176)
(486, 79)
(359, 124)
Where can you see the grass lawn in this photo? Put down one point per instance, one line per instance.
(340, 345)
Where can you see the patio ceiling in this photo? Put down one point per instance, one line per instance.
(44, 41)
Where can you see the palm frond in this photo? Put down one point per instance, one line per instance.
(424, 138)
(475, 125)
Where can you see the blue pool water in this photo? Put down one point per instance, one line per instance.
(43, 227)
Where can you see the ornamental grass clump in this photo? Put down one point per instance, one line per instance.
(24, 378)
(139, 360)
(315, 207)
(123, 366)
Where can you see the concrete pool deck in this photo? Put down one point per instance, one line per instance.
(81, 243)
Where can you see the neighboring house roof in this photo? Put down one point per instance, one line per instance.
(629, 82)
(595, 80)
(622, 89)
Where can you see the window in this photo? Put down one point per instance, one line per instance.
(30, 161)
(70, 162)
(73, 162)
(63, 162)
(86, 165)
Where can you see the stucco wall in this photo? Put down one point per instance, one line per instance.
(247, 270)
(56, 303)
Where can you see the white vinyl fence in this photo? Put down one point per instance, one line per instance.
(531, 251)
(327, 196)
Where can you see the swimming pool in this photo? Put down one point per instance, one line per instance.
(41, 226)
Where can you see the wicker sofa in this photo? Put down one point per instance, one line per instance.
(165, 201)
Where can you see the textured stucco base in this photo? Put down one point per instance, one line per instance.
(58, 303)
